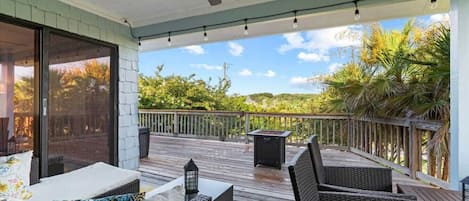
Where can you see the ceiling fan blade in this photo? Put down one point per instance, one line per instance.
(214, 2)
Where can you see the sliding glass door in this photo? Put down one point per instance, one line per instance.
(79, 103)
(57, 96)
(18, 88)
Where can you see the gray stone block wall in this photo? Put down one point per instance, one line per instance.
(56, 14)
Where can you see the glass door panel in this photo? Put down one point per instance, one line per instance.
(18, 67)
(79, 103)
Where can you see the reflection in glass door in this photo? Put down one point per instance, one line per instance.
(18, 67)
(79, 103)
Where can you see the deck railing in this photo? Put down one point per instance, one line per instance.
(403, 144)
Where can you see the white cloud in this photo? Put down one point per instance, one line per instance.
(269, 73)
(235, 49)
(315, 45)
(194, 49)
(313, 83)
(312, 57)
(207, 66)
(337, 37)
(294, 41)
(299, 80)
(245, 72)
(335, 67)
(443, 17)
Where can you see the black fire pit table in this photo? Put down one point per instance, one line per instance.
(269, 147)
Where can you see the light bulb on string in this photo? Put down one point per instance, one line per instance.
(246, 27)
(357, 12)
(433, 4)
(205, 34)
(295, 21)
(169, 39)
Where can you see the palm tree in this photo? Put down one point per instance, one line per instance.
(400, 74)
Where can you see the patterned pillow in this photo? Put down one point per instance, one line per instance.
(124, 197)
(12, 185)
(25, 167)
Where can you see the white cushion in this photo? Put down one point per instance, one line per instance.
(84, 183)
(25, 167)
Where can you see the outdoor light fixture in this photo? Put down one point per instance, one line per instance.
(169, 39)
(357, 12)
(191, 177)
(139, 43)
(295, 21)
(246, 27)
(433, 4)
(205, 33)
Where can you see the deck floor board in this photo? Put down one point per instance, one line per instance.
(232, 162)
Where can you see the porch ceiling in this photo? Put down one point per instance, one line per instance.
(153, 19)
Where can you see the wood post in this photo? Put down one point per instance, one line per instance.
(175, 124)
(246, 127)
(349, 134)
(413, 151)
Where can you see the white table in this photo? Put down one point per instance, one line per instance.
(219, 191)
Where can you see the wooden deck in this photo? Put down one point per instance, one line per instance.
(233, 163)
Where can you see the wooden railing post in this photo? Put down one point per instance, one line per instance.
(413, 155)
(246, 127)
(349, 133)
(175, 124)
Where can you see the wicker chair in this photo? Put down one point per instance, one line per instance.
(305, 186)
(343, 178)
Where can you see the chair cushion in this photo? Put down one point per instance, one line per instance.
(12, 186)
(25, 165)
(315, 152)
(84, 183)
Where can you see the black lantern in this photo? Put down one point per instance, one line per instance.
(191, 177)
(465, 189)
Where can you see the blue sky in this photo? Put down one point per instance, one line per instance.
(284, 63)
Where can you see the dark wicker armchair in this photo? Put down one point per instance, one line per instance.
(305, 186)
(342, 178)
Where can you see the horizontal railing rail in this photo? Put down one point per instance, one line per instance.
(407, 145)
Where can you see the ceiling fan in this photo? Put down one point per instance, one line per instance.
(214, 2)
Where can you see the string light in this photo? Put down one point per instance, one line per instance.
(259, 18)
(295, 21)
(246, 27)
(433, 4)
(357, 12)
(169, 39)
(205, 33)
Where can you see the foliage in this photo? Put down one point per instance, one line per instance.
(400, 74)
(178, 92)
